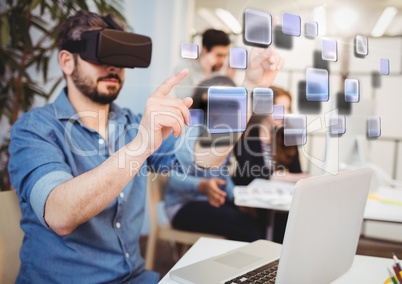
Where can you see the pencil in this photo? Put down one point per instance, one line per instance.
(397, 261)
(398, 275)
(391, 276)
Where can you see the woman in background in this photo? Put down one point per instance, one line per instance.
(261, 153)
(205, 203)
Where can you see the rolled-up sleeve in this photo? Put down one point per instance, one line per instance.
(37, 164)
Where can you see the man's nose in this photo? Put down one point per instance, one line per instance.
(112, 69)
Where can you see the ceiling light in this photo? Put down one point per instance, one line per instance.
(383, 22)
(229, 20)
(345, 18)
(320, 15)
(211, 19)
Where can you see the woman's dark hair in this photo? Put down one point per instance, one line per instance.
(211, 38)
(202, 88)
(283, 155)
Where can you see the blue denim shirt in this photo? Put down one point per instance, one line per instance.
(50, 145)
(185, 177)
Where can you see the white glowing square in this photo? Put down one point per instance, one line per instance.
(329, 50)
(361, 44)
(295, 129)
(291, 24)
(263, 101)
(257, 27)
(238, 58)
(311, 29)
(189, 50)
(374, 126)
(338, 125)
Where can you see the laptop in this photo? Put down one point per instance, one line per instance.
(320, 241)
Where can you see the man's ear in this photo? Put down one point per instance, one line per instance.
(66, 60)
(204, 50)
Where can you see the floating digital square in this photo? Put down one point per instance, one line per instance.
(329, 49)
(227, 109)
(338, 125)
(196, 117)
(361, 46)
(263, 101)
(279, 112)
(189, 50)
(311, 29)
(238, 58)
(295, 129)
(352, 91)
(257, 28)
(317, 85)
(291, 24)
(384, 66)
(374, 126)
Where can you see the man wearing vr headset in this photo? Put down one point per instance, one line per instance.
(79, 164)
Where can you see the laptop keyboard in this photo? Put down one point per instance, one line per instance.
(263, 274)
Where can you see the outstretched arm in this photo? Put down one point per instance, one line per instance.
(81, 198)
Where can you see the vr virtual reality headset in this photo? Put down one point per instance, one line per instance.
(113, 47)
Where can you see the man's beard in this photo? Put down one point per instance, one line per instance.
(90, 90)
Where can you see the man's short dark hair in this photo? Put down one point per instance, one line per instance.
(211, 38)
(74, 26)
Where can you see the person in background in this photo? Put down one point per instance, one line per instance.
(261, 153)
(210, 63)
(205, 203)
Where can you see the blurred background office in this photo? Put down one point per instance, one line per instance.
(169, 23)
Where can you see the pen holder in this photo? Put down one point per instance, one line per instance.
(389, 280)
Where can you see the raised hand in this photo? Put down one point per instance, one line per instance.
(163, 114)
(264, 64)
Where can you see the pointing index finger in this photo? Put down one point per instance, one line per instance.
(164, 89)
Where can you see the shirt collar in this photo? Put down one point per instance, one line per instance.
(65, 110)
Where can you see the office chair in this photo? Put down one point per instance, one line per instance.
(156, 190)
(11, 236)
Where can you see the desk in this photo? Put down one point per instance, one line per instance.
(375, 210)
(365, 269)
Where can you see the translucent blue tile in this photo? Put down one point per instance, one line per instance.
(374, 126)
(263, 101)
(291, 24)
(361, 45)
(227, 109)
(238, 58)
(384, 66)
(311, 29)
(189, 50)
(329, 50)
(317, 89)
(338, 125)
(295, 129)
(352, 91)
(278, 112)
(196, 117)
(257, 27)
